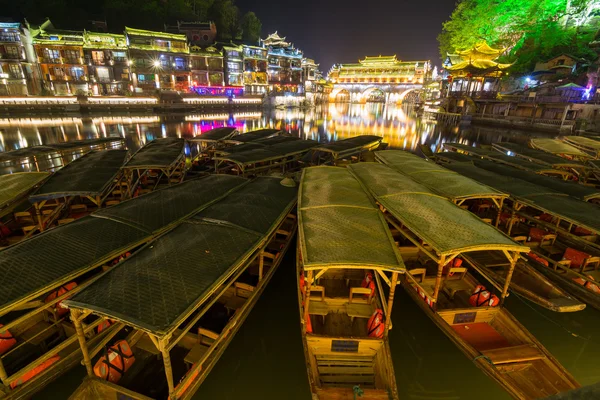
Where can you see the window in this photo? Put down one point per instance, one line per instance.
(198, 63)
(76, 73)
(9, 37)
(15, 71)
(560, 62)
(58, 72)
(98, 57)
(119, 56)
(215, 79)
(205, 38)
(180, 63)
(12, 52)
(215, 63)
(146, 78)
(162, 44)
(52, 55)
(71, 56)
(233, 66)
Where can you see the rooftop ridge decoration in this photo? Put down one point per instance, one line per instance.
(379, 59)
(275, 39)
(142, 32)
(477, 60)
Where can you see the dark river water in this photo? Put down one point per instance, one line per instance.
(265, 359)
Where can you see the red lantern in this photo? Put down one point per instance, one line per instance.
(450, 78)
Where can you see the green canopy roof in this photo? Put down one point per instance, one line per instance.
(339, 225)
(536, 156)
(16, 186)
(555, 146)
(159, 153)
(447, 228)
(583, 141)
(435, 177)
(155, 289)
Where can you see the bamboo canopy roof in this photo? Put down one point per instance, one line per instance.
(55, 256)
(157, 154)
(267, 153)
(215, 135)
(256, 135)
(575, 211)
(257, 144)
(583, 141)
(353, 143)
(89, 175)
(15, 186)
(155, 289)
(555, 146)
(339, 225)
(536, 156)
(579, 191)
(52, 148)
(444, 226)
(435, 177)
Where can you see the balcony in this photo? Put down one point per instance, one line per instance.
(15, 57)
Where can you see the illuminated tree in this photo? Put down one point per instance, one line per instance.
(251, 27)
(531, 30)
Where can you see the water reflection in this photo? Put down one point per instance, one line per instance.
(401, 127)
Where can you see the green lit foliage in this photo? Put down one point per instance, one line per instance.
(531, 30)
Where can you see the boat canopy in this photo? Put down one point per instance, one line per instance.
(444, 226)
(340, 226)
(159, 153)
(476, 151)
(579, 191)
(268, 153)
(555, 146)
(547, 200)
(54, 257)
(256, 135)
(537, 156)
(57, 147)
(583, 142)
(215, 135)
(157, 288)
(89, 175)
(344, 147)
(438, 179)
(257, 144)
(15, 186)
(452, 156)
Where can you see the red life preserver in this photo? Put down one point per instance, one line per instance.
(4, 231)
(35, 371)
(367, 279)
(7, 341)
(479, 296)
(59, 309)
(537, 258)
(456, 263)
(113, 365)
(103, 325)
(577, 257)
(536, 234)
(376, 325)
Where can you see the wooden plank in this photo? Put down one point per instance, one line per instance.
(522, 353)
(355, 379)
(347, 370)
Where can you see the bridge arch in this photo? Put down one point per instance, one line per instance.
(409, 96)
(374, 94)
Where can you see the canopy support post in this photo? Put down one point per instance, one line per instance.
(166, 355)
(438, 280)
(87, 361)
(388, 320)
(499, 212)
(513, 263)
(261, 264)
(307, 297)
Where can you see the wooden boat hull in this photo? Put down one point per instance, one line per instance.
(535, 287)
(578, 291)
(525, 379)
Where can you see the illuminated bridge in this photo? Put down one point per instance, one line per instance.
(378, 79)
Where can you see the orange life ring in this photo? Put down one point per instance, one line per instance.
(7, 341)
(376, 324)
(59, 309)
(117, 360)
(34, 371)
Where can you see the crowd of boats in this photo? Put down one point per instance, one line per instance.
(142, 267)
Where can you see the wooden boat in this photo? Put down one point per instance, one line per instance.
(14, 191)
(346, 150)
(276, 154)
(485, 202)
(51, 156)
(74, 191)
(345, 313)
(37, 338)
(253, 136)
(433, 234)
(585, 144)
(206, 144)
(559, 148)
(159, 163)
(192, 289)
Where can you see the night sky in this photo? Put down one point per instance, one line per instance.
(339, 31)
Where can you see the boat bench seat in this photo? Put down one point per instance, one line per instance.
(521, 353)
(196, 353)
(323, 308)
